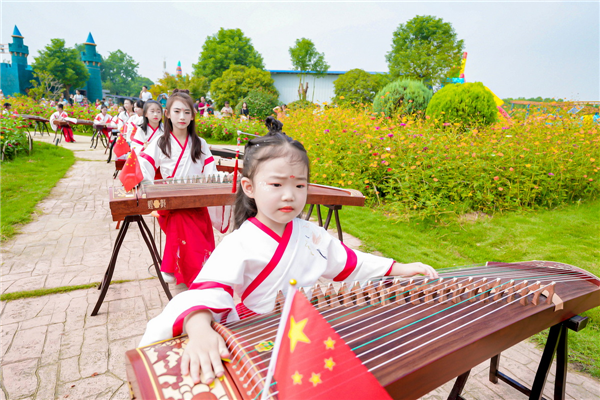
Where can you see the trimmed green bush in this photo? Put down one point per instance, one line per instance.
(260, 104)
(300, 105)
(402, 97)
(469, 104)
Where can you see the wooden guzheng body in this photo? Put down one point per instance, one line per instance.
(412, 334)
(180, 194)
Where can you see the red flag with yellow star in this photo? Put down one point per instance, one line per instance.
(131, 174)
(121, 147)
(313, 362)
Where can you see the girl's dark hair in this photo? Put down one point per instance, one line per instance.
(147, 105)
(256, 152)
(59, 106)
(164, 142)
(139, 103)
(274, 126)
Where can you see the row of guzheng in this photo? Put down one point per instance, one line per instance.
(206, 191)
(413, 334)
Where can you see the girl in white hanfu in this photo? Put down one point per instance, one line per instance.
(178, 153)
(104, 119)
(61, 115)
(150, 128)
(121, 119)
(270, 247)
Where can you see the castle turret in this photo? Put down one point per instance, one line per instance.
(92, 61)
(16, 76)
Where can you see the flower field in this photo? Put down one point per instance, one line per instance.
(13, 136)
(540, 161)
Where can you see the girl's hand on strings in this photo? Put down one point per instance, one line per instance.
(416, 268)
(204, 350)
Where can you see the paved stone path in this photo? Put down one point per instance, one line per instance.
(52, 349)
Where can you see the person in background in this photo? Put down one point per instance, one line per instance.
(78, 97)
(202, 106)
(102, 120)
(227, 111)
(244, 112)
(1, 95)
(209, 108)
(162, 99)
(61, 115)
(145, 95)
(6, 109)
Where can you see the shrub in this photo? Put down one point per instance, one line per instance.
(402, 97)
(260, 104)
(301, 105)
(13, 136)
(237, 82)
(468, 104)
(356, 87)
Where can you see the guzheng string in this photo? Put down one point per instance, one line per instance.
(474, 289)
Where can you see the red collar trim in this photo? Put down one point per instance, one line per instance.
(268, 230)
(178, 142)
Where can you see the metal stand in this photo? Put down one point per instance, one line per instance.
(98, 136)
(333, 210)
(147, 235)
(556, 343)
(40, 126)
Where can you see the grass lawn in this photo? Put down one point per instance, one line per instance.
(569, 234)
(27, 180)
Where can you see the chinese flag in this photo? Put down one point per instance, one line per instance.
(131, 174)
(313, 362)
(121, 147)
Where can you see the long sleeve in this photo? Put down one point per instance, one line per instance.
(148, 161)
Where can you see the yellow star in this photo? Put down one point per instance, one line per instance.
(315, 379)
(329, 363)
(296, 334)
(297, 378)
(329, 343)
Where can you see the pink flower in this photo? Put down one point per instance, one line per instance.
(326, 130)
(550, 174)
(500, 189)
(496, 178)
(402, 124)
(390, 135)
(447, 124)
(389, 170)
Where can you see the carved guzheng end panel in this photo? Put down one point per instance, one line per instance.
(157, 375)
(413, 334)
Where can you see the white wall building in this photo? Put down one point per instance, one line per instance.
(320, 90)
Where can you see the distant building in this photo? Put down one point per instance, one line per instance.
(320, 90)
(16, 77)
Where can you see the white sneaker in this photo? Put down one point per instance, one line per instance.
(168, 277)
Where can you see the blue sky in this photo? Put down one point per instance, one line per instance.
(529, 49)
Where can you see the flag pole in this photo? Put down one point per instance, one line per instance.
(282, 322)
(235, 169)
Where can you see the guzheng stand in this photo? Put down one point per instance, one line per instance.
(148, 238)
(556, 343)
(332, 209)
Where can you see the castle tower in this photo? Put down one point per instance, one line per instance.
(16, 76)
(178, 70)
(92, 61)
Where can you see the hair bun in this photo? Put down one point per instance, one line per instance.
(186, 91)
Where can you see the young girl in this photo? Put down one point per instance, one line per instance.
(104, 119)
(150, 128)
(123, 116)
(135, 121)
(61, 115)
(270, 247)
(179, 152)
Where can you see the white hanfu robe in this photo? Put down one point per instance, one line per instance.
(62, 115)
(120, 121)
(190, 238)
(255, 263)
(143, 138)
(105, 120)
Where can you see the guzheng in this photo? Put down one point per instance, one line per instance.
(175, 194)
(412, 334)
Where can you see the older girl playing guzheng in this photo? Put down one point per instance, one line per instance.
(150, 128)
(270, 247)
(180, 153)
(61, 115)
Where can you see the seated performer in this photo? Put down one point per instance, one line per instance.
(61, 115)
(123, 117)
(151, 126)
(179, 152)
(270, 247)
(103, 119)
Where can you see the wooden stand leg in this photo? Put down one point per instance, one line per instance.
(111, 265)
(547, 356)
(338, 225)
(310, 210)
(319, 218)
(494, 365)
(328, 219)
(147, 235)
(458, 387)
(561, 365)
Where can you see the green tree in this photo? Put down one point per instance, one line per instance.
(305, 58)
(355, 87)
(226, 48)
(63, 63)
(238, 81)
(118, 72)
(45, 85)
(425, 48)
(198, 86)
